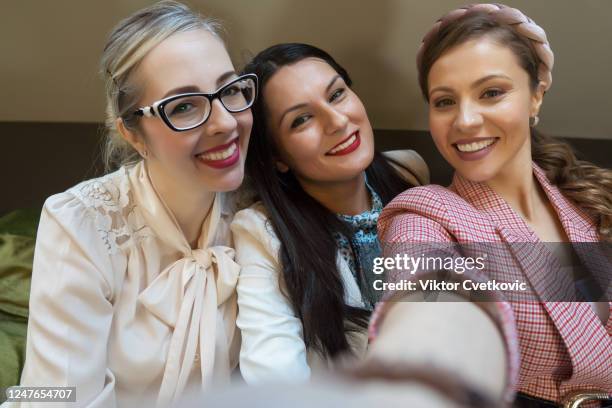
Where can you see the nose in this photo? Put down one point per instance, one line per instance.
(335, 120)
(220, 121)
(468, 118)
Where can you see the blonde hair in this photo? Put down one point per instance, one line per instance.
(127, 45)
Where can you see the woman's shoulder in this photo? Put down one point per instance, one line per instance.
(86, 226)
(409, 164)
(253, 222)
(427, 213)
(99, 206)
(254, 215)
(417, 214)
(108, 191)
(425, 199)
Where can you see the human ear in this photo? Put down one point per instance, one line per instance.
(536, 99)
(135, 140)
(282, 167)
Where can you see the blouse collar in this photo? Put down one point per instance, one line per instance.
(366, 220)
(159, 217)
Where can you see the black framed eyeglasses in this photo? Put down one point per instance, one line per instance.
(190, 110)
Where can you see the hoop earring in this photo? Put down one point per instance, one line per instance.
(534, 120)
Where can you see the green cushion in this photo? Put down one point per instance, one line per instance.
(20, 222)
(16, 254)
(12, 350)
(17, 240)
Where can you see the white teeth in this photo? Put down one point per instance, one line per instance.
(220, 154)
(344, 145)
(475, 146)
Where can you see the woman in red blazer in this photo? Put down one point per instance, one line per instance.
(484, 70)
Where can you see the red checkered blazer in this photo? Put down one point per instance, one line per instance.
(563, 345)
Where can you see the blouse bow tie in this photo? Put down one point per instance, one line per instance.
(185, 296)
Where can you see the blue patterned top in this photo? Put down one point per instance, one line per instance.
(362, 248)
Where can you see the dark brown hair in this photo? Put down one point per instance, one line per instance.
(312, 283)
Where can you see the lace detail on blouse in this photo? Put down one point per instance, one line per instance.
(116, 216)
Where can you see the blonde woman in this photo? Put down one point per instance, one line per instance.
(133, 281)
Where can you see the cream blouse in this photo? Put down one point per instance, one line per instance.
(273, 348)
(120, 306)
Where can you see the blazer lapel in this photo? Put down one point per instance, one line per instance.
(587, 340)
(577, 225)
(535, 262)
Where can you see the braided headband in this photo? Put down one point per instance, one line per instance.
(512, 17)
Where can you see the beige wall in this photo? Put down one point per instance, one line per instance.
(50, 50)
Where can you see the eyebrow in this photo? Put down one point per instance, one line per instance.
(302, 105)
(192, 88)
(332, 82)
(224, 77)
(476, 83)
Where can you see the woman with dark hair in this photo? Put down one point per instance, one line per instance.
(484, 70)
(307, 247)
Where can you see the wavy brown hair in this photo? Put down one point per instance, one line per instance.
(585, 184)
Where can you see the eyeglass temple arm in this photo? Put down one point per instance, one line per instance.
(147, 111)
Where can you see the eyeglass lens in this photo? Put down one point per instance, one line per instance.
(191, 111)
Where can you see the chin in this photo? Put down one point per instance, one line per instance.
(477, 174)
(355, 170)
(366, 159)
(227, 182)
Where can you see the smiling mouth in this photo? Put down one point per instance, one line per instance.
(221, 156)
(220, 152)
(346, 146)
(475, 146)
